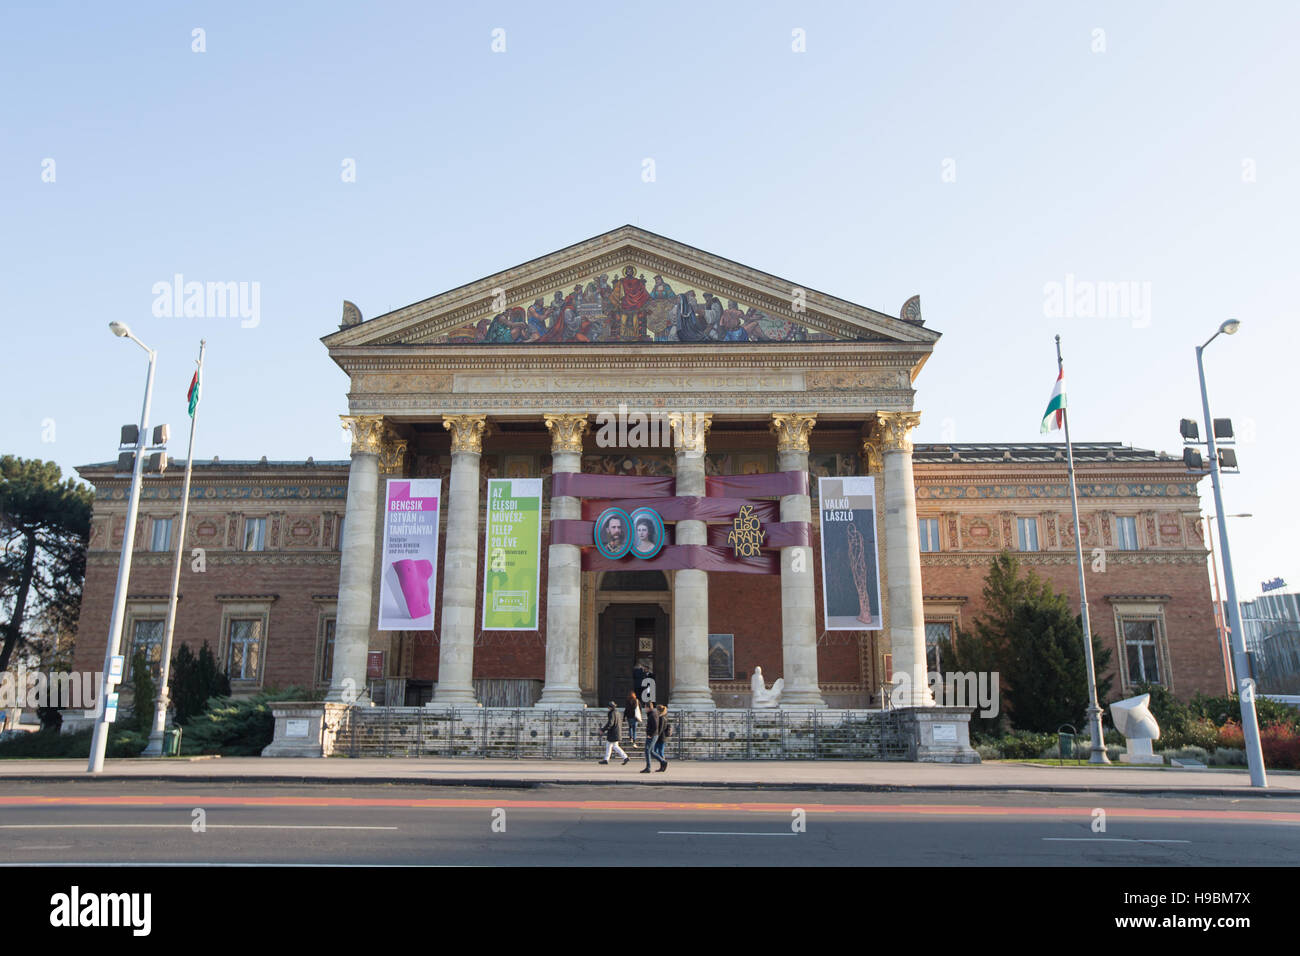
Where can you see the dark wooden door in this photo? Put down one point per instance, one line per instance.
(630, 633)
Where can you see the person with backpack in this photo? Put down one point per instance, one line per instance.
(632, 714)
(613, 735)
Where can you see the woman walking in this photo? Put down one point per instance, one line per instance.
(613, 734)
(651, 737)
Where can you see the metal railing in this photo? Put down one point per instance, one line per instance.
(575, 735)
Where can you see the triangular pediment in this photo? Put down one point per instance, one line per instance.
(627, 286)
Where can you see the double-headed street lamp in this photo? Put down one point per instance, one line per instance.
(100, 740)
(1245, 686)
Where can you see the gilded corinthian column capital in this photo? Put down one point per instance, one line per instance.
(566, 432)
(792, 430)
(689, 429)
(894, 429)
(871, 459)
(392, 452)
(467, 432)
(367, 432)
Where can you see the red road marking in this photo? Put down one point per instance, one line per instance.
(954, 810)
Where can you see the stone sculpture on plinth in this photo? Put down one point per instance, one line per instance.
(1135, 721)
(762, 695)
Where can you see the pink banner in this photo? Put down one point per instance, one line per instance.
(776, 483)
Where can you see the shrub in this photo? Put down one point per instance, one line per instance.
(142, 696)
(1229, 757)
(1197, 732)
(122, 742)
(195, 681)
(1188, 753)
(1279, 742)
(1220, 710)
(1025, 745)
(235, 727)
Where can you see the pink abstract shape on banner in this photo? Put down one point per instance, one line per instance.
(414, 576)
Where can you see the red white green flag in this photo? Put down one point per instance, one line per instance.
(1054, 417)
(193, 394)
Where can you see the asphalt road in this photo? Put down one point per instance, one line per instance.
(155, 822)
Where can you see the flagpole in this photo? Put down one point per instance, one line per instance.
(1094, 710)
(154, 747)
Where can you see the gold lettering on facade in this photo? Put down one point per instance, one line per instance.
(747, 534)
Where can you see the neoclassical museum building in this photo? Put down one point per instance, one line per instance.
(632, 371)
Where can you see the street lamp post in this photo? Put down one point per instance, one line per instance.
(1245, 686)
(100, 739)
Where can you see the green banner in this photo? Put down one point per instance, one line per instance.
(512, 563)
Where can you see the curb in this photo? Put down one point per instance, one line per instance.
(505, 784)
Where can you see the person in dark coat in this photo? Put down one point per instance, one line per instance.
(662, 711)
(613, 734)
(638, 680)
(632, 714)
(652, 727)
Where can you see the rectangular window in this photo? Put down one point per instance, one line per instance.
(161, 537)
(147, 636)
(1126, 530)
(254, 534)
(327, 653)
(929, 533)
(1141, 652)
(935, 633)
(245, 649)
(1028, 529)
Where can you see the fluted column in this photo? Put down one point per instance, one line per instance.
(563, 573)
(460, 564)
(690, 676)
(357, 562)
(903, 556)
(798, 596)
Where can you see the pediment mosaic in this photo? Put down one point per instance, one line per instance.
(628, 305)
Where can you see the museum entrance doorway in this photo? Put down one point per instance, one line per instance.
(633, 629)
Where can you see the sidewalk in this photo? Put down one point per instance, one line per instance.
(731, 774)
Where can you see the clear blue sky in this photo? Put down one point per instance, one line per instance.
(824, 167)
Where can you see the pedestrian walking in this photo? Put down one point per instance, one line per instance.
(665, 731)
(652, 737)
(632, 714)
(613, 734)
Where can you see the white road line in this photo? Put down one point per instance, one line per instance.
(179, 826)
(1108, 840)
(718, 833)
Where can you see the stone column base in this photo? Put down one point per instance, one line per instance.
(937, 734)
(305, 728)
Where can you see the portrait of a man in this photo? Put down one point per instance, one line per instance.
(613, 533)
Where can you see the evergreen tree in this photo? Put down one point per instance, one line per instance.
(143, 693)
(194, 680)
(44, 526)
(1029, 635)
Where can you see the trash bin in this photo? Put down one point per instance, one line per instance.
(172, 742)
(1066, 745)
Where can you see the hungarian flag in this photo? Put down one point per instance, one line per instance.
(193, 394)
(1054, 417)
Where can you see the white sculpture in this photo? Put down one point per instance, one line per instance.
(1135, 721)
(763, 697)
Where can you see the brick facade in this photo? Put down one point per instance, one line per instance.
(976, 493)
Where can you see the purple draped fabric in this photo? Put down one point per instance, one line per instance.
(776, 483)
(682, 557)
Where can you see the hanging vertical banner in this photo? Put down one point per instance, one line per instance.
(512, 564)
(850, 558)
(410, 567)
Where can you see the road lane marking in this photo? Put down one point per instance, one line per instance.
(718, 833)
(1108, 840)
(449, 803)
(186, 826)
